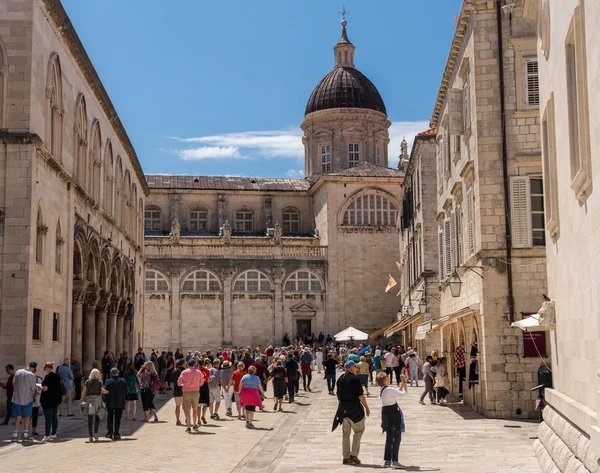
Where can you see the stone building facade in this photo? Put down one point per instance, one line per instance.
(490, 212)
(419, 279)
(71, 199)
(243, 261)
(568, 51)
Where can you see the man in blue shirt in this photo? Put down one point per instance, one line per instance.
(321, 338)
(115, 403)
(66, 376)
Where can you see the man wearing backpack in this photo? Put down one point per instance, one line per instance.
(66, 378)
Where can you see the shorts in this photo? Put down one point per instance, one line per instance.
(189, 400)
(215, 393)
(364, 379)
(178, 400)
(163, 375)
(18, 410)
(204, 395)
(131, 397)
(68, 393)
(250, 408)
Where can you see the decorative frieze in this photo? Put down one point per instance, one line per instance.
(366, 229)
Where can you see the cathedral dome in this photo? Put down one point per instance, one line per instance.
(345, 86)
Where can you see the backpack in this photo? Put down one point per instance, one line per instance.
(63, 389)
(278, 374)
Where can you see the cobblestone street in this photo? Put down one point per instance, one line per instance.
(444, 439)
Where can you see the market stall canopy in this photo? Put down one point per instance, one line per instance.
(422, 331)
(381, 331)
(351, 333)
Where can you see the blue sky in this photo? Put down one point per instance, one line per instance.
(220, 87)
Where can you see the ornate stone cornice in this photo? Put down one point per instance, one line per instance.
(366, 229)
(65, 30)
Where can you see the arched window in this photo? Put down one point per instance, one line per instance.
(95, 161)
(201, 281)
(198, 220)
(156, 282)
(371, 209)
(80, 136)
(41, 232)
(303, 281)
(54, 110)
(58, 253)
(108, 179)
(291, 221)
(252, 281)
(152, 219)
(244, 221)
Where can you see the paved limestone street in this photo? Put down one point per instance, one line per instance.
(442, 439)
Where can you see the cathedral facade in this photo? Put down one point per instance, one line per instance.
(243, 261)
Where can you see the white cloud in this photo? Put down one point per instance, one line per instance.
(399, 130)
(281, 144)
(295, 173)
(267, 144)
(209, 152)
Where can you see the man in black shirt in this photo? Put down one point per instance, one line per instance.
(178, 390)
(291, 367)
(350, 410)
(115, 403)
(330, 365)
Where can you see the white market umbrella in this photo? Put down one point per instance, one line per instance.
(351, 333)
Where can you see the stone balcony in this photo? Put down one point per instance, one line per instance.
(239, 248)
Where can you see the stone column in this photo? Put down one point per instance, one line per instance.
(227, 318)
(79, 288)
(111, 328)
(175, 317)
(101, 310)
(278, 275)
(120, 323)
(89, 329)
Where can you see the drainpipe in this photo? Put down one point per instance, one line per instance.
(507, 214)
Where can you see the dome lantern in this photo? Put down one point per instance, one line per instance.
(344, 50)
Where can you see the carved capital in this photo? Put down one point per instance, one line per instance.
(173, 273)
(113, 307)
(42, 229)
(79, 288)
(91, 299)
(123, 308)
(277, 272)
(60, 112)
(225, 273)
(103, 300)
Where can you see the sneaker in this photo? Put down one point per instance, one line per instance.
(387, 464)
(53, 437)
(96, 437)
(396, 466)
(195, 427)
(117, 437)
(188, 430)
(91, 440)
(15, 437)
(109, 436)
(345, 461)
(422, 402)
(45, 439)
(354, 460)
(35, 434)
(26, 437)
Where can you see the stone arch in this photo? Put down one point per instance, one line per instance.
(105, 268)
(201, 280)
(93, 259)
(40, 232)
(119, 197)
(252, 280)
(80, 250)
(115, 277)
(80, 143)
(381, 219)
(109, 164)
(3, 84)
(54, 107)
(95, 161)
(126, 202)
(59, 242)
(298, 281)
(156, 281)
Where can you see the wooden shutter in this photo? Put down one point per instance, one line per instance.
(453, 240)
(447, 248)
(470, 222)
(440, 161)
(441, 254)
(459, 233)
(520, 205)
(532, 83)
(455, 114)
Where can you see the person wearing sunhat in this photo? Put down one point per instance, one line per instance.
(351, 412)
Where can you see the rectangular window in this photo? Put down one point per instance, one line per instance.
(550, 171)
(326, 158)
(198, 221)
(441, 254)
(538, 226)
(37, 324)
(377, 156)
(353, 155)
(470, 222)
(152, 219)
(532, 82)
(291, 222)
(448, 248)
(55, 319)
(527, 211)
(243, 221)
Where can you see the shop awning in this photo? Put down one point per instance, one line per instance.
(540, 322)
(381, 331)
(422, 331)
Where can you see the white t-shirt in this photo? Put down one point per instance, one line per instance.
(388, 359)
(389, 395)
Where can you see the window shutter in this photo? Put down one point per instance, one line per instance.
(441, 254)
(466, 104)
(440, 161)
(455, 114)
(520, 204)
(470, 222)
(453, 247)
(447, 248)
(532, 83)
(459, 233)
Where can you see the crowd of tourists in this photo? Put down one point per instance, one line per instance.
(200, 382)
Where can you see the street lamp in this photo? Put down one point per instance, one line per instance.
(410, 309)
(455, 283)
(423, 304)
